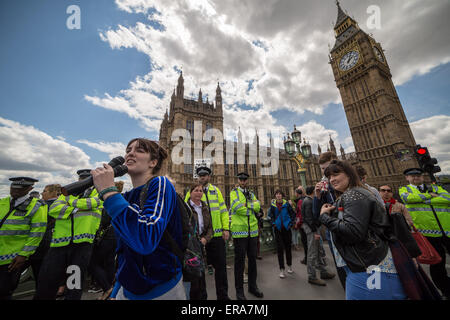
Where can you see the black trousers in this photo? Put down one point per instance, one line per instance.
(216, 255)
(102, 266)
(245, 247)
(198, 289)
(283, 239)
(35, 265)
(438, 271)
(54, 267)
(304, 240)
(8, 282)
(36, 260)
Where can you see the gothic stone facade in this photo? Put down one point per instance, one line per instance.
(182, 114)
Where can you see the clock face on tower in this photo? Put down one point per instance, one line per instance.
(349, 60)
(378, 54)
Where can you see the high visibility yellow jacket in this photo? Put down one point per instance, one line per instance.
(420, 204)
(77, 218)
(23, 230)
(243, 220)
(219, 211)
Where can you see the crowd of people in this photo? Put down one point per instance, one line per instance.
(130, 242)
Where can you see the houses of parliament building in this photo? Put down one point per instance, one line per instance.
(377, 122)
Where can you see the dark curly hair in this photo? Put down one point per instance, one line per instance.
(278, 191)
(338, 166)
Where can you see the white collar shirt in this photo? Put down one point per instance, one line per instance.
(198, 209)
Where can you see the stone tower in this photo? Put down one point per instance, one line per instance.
(377, 122)
(332, 146)
(183, 113)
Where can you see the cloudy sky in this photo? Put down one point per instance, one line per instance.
(73, 98)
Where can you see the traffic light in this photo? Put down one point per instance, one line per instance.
(426, 163)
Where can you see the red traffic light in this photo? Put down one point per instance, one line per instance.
(421, 151)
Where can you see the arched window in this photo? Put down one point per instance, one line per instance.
(254, 170)
(190, 127)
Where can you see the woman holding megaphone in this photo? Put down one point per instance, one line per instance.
(147, 269)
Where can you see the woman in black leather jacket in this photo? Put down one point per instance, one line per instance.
(359, 231)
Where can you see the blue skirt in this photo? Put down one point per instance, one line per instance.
(381, 286)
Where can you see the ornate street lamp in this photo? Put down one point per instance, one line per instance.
(290, 145)
(297, 135)
(306, 149)
(298, 153)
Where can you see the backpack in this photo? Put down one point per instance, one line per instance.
(191, 253)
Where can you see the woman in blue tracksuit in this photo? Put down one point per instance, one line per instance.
(147, 268)
(283, 217)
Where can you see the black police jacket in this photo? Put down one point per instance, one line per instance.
(361, 235)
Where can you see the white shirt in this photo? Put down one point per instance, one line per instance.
(198, 209)
(421, 188)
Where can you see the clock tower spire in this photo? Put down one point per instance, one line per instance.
(377, 122)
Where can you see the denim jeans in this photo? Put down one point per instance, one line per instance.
(187, 289)
(390, 287)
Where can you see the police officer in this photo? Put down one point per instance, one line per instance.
(23, 220)
(429, 207)
(215, 249)
(244, 230)
(77, 221)
(50, 193)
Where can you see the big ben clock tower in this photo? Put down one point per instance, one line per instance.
(377, 122)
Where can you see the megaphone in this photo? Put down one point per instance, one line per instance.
(79, 186)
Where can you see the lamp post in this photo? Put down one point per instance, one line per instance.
(298, 152)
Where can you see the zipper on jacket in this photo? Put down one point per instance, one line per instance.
(371, 240)
(357, 255)
(71, 228)
(438, 222)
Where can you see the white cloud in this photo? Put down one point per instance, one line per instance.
(27, 148)
(27, 151)
(434, 133)
(113, 149)
(214, 39)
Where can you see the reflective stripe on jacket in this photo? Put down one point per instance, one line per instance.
(419, 206)
(243, 220)
(84, 213)
(23, 230)
(219, 211)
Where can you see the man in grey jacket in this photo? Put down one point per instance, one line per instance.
(311, 226)
(362, 173)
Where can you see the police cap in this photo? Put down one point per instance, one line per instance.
(83, 173)
(22, 182)
(243, 176)
(412, 171)
(203, 171)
